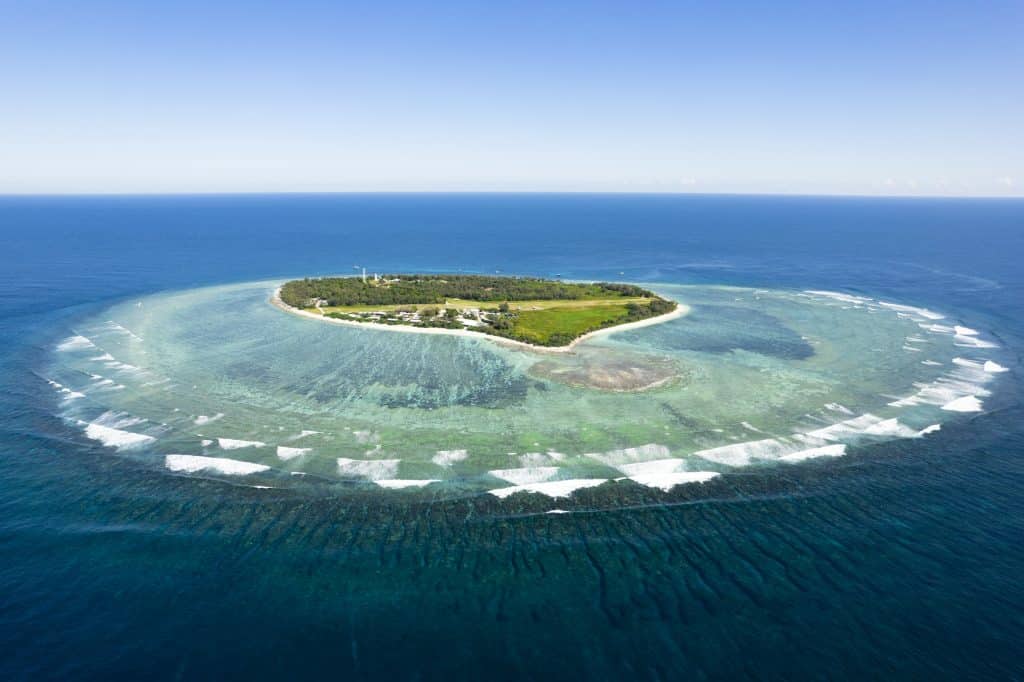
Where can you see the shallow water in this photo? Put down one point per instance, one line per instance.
(214, 381)
(898, 557)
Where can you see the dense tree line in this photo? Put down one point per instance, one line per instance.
(426, 289)
(657, 306)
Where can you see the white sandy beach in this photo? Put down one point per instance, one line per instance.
(680, 311)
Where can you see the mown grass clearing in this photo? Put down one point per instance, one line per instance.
(541, 326)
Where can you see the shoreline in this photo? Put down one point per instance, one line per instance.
(681, 310)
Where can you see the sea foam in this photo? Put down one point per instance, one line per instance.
(843, 298)
(533, 459)
(76, 342)
(371, 469)
(399, 483)
(970, 341)
(641, 453)
(550, 488)
(65, 391)
(835, 450)
(114, 326)
(234, 444)
(911, 310)
(115, 438)
(840, 430)
(890, 427)
(290, 453)
(447, 458)
(667, 481)
(740, 454)
(968, 403)
(968, 338)
(664, 473)
(966, 379)
(525, 475)
(194, 463)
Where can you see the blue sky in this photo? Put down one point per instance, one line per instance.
(821, 98)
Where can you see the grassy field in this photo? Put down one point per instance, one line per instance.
(540, 325)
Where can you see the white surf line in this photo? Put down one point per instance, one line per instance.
(741, 454)
(400, 483)
(192, 463)
(839, 296)
(563, 488)
(534, 459)
(446, 458)
(959, 390)
(233, 444)
(963, 336)
(115, 327)
(639, 453)
(912, 310)
(287, 453)
(525, 475)
(968, 403)
(836, 450)
(681, 310)
(664, 474)
(368, 469)
(827, 441)
(65, 391)
(115, 438)
(651, 465)
(76, 342)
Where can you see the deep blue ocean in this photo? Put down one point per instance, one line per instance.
(901, 561)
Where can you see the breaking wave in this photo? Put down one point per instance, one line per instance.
(195, 463)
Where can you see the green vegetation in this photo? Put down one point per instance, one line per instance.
(399, 289)
(536, 311)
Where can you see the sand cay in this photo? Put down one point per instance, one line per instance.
(680, 311)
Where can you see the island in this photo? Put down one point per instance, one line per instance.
(543, 313)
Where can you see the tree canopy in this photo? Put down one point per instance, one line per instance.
(420, 289)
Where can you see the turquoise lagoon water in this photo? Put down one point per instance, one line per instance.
(794, 502)
(215, 382)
